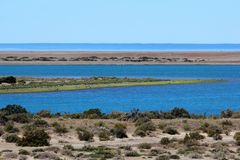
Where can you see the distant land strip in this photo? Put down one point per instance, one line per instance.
(73, 57)
(30, 85)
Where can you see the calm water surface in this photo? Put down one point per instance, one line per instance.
(210, 98)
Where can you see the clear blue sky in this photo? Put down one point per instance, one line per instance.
(120, 21)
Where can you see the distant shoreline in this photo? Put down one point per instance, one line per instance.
(118, 57)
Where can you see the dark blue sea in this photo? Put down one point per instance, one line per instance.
(117, 47)
(208, 98)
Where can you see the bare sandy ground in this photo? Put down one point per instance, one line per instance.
(208, 57)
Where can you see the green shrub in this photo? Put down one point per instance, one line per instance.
(34, 138)
(204, 127)
(141, 121)
(12, 138)
(103, 153)
(145, 128)
(190, 141)
(119, 130)
(162, 125)
(40, 123)
(174, 156)
(92, 113)
(163, 157)
(217, 137)
(213, 130)
(23, 152)
(84, 135)
(237, 138)
(186, 127)
(227, 114)
(68, 147)
(170, 130)
(196, 136)
(44, 114)
(100, 124)
(139, 132)
(20, 117)
(226, 123)
(179, 113)
(9, 79)
(13, 109)
(145, 146)
(165, 141)
(132, 154)
(10, 128)
(104, 135)
(1, 132)
(3, 119)
(60, 128)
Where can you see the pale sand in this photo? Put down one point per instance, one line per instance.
(209, 57)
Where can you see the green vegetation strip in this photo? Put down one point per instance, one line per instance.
(43, 87)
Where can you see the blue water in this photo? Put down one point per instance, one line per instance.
(118, 47)
(210, 98)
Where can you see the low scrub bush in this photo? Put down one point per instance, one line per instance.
(145, 146)
(196, 136)
(227, 113)
(23, 152)
(237, 138)
(217, 137)
(10, 128)
(119, 130)
(92, 113)
(139, 132)
(1, 132)
(179, 113)
(226, 123)
(213, 130)
(190, 141)
(102, 152)
(34, 138)
(3, 119)
(13, 109)
(84, 135)
(12, 138)
(163, 157)
(144, 129)
(165, 141)
(47, 155)
(40, 123)
(141, 121)
(186, 127)
(9, 79)
(132, 154)
(170, 130)
(44, 114)
(104, 135)
(20, 118)
(61, 129)
(174, 156)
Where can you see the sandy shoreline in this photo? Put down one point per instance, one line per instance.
(72, 57)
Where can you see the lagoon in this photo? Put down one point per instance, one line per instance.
(207, 98)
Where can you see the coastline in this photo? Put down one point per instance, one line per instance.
(118, 58)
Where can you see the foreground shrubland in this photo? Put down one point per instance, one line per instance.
(176, 134)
